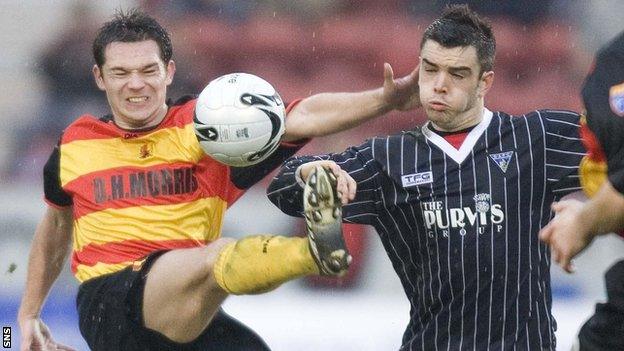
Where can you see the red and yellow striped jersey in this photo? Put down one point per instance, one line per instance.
(136, 192)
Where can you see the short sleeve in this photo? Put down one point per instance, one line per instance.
(54, 193)
(564, 150)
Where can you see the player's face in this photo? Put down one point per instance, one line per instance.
(451, 88)
(135, 79)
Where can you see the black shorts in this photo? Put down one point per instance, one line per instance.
(605, 329)
(110, 318)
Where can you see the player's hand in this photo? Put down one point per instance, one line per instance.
(401, 93)
(37, 337)
(345, 187)
(565, 234)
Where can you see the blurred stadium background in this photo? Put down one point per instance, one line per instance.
(302, 47)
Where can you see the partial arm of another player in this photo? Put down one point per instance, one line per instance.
(576, 224)
(328, 113)
(50, 248)
(604, 213)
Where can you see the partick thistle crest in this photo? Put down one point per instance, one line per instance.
(616, 99)
(482, 202)
(145, 151)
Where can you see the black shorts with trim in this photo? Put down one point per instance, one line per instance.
(110, 318)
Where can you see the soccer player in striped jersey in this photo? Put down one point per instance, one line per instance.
(576, 224)
(141, 207)
(458, 203)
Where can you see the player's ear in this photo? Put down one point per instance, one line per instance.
(99, 80)
(171, 68)
(487, 78)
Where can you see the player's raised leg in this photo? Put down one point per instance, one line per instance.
(185, 287)
(181, 295)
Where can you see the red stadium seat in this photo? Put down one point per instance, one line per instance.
(282, 38)
(513, 42)
(354, 38)
(208, 34)
(402, 48)
(556, 42)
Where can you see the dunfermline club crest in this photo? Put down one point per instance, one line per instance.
(502, 160)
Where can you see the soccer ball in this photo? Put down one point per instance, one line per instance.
(239, 119)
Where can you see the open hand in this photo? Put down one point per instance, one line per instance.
(565, 234)
(401, 93)
(37, 337)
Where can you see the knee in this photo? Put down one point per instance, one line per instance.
(215, 247)
(213, 251)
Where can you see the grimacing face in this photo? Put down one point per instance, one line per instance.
(135, 80)
(451, 88)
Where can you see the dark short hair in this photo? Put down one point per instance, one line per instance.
(128, 27)
(460, 26)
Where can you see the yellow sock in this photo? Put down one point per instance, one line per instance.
(261, 263)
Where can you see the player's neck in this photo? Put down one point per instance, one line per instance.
(444, 134)
(148, 124)
(466, 120)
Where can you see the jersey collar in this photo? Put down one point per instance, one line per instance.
(471, 139)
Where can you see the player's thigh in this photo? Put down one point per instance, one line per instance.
(227, 333)
(180, 291)
(108, 320)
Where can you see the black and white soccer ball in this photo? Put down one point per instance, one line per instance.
(239, 119)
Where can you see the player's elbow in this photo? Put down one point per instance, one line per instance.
(286, 204)
(302, 125)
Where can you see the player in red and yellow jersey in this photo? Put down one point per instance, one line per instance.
(602, 170)
(141, 207)
(576, 224)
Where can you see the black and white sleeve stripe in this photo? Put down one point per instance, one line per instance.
(286, 193)
(564, 150)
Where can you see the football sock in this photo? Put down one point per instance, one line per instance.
(261, 263)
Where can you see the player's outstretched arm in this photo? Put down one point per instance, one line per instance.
(48, 252)
(576, 224)
(328, 113)
(565, 234)
(604, 213)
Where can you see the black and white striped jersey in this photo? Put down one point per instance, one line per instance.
(461, 226)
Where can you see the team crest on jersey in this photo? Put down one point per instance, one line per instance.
(616, 99)
(502, 159)
(146, 150)
(417, 179)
